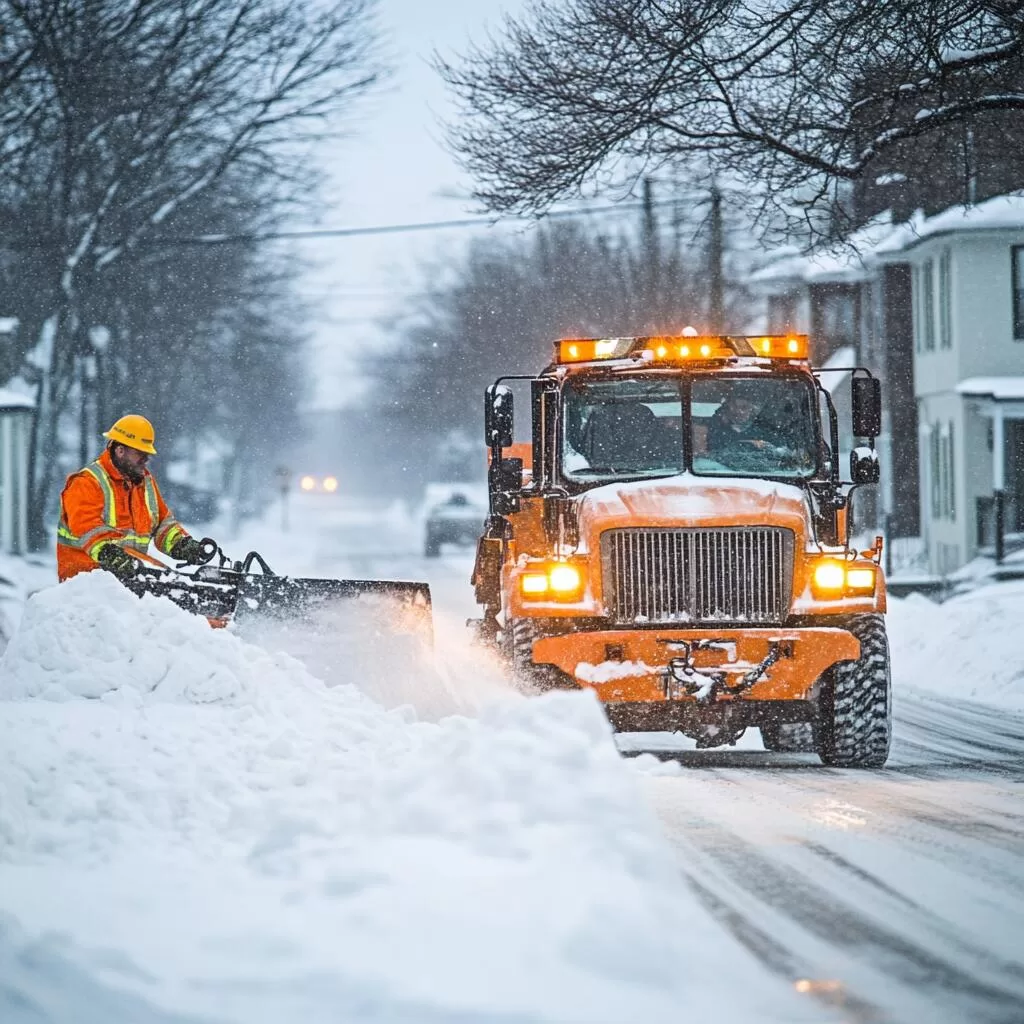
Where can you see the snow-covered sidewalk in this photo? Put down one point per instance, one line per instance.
(192, 825)
(969, 647)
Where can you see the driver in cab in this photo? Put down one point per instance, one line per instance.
(735, 431)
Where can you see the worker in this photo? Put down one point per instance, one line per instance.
(113, 508)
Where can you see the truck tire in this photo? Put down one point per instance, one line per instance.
(856, 701)
(518, 637)
(432, 548)
(789, 737)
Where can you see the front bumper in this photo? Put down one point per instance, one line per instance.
(698, 664)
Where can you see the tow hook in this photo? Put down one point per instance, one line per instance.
(682, 677)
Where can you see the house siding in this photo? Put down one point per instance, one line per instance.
(980, 317)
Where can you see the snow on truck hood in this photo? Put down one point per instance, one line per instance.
(687, 500)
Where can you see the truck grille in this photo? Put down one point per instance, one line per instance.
(733, 574)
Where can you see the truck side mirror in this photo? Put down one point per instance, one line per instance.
(867, 406)
(864, 468)
(498, 416)
(505, 483)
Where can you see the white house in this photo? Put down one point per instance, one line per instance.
(856, 311)
(967, 267)
(15, 426)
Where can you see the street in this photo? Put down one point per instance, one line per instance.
(895, 894)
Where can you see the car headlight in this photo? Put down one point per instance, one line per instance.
(308, 483)
(558, 581)
(831, 578)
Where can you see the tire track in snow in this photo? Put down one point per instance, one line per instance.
(832, 919)
(912, 905)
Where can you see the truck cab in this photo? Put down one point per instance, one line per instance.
(676, 538)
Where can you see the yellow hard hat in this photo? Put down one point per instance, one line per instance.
(133, 431)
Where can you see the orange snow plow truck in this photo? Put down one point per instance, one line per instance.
(677, 538)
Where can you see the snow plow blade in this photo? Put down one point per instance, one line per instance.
(406, 606)
(326, 608)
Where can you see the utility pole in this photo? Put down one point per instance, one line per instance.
(716, 250)
(651, 254)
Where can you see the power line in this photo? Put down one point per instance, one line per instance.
(394, 229)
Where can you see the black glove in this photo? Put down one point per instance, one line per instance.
(188, 549)
(119, 562)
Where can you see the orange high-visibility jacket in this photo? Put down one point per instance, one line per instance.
(100, 506)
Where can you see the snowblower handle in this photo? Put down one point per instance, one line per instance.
(255, 556)
(208, 547)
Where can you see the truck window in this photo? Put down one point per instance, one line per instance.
(753, 426)
(624, 428)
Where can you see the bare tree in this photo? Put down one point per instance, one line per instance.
(801, 96)
(122, 115)
(500, 308)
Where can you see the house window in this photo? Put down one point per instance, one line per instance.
(915, 305)
(946, 300)
(1018, 292)
(951, 475)
(928, 305)
(935, 463)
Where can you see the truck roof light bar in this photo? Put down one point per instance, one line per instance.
(683, 348)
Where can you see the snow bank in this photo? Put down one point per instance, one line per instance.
(211, 830)
(967, 647)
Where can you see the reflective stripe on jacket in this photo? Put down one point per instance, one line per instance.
(99, 506)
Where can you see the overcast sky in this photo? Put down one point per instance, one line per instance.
(393, 169)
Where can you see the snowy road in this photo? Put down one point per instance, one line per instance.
(891, 896)
(898, 895)
(480, 856)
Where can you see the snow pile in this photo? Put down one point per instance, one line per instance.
(205, 827)
(18, 578)
(92, 638)
(967, 647)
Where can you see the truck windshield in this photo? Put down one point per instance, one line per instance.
(738, 426)
(627, 427)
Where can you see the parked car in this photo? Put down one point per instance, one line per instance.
(454, 518)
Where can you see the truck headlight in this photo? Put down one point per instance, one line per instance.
(534, 584)
(860, 580)
(558, 581)
(832, 578)
(829, 577)
(565, 579)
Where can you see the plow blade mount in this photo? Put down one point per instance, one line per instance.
(214, 600)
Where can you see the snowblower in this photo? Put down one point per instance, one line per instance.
(232, 592)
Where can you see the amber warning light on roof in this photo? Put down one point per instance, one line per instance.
(675, 349)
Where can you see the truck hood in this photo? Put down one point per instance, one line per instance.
(692, 501)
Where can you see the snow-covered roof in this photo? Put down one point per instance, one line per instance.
(855, 258)
(845, 261)
(10, 399)
(999, 213)
(845, 356)
(1006, 389)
